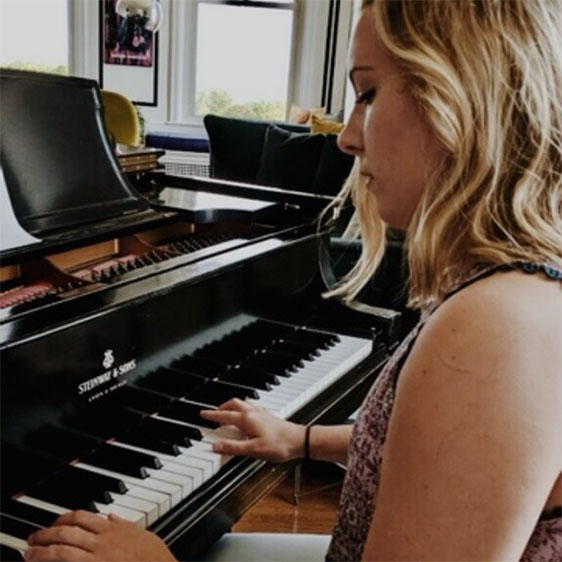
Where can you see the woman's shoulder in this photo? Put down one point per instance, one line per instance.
(509, 298)
(510, 319)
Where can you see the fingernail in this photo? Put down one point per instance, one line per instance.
(218, 447)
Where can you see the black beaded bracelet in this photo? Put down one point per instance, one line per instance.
(307, 442)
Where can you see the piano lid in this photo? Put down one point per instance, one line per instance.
(59, 165)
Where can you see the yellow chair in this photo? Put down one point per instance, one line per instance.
(121, 119)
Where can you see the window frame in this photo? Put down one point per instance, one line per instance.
(183, 40)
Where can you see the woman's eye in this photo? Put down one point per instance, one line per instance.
(365, 97)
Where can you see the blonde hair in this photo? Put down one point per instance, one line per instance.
(487, 75)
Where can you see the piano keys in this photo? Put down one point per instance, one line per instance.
(145, 449)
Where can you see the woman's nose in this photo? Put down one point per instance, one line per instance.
(350, 139)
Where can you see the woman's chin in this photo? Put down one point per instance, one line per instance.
(392, 216)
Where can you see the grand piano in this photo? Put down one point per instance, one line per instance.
(123, 314)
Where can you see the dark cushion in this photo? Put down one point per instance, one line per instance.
(290, 160)
(177, 141)
(236, 146)
(333, 168)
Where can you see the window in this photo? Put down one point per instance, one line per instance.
(34, 35)
(242, 51)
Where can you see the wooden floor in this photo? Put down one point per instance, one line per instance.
(315, 511)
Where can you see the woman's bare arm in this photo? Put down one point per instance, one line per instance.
(474, 443)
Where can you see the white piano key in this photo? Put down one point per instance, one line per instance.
(150, 509)
(185, 482)
(132, 515)
(205, 467)
(14, 542)
(173, 491)
(205, 451)
(169, 463)
(161, 500)
(47, 506)
(195, 474)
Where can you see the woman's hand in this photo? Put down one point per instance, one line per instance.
(84, 536)
(269, 437)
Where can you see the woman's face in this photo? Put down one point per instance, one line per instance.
(396, 148)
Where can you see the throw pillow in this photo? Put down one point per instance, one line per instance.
(289, 160)
(236, 146)
(320, 125)
(303, 116)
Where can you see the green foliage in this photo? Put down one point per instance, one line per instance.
(142, 125)
(61, 69)
(219, 102)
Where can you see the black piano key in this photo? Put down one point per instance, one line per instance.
(81, 485)
(29, 513)
(189, 413)
(290, 359)
(254, 380)
(61, 443)
(270, 376)
(170, 381)
(304, 350)
(179, 434)
(145, 441)
(8, 554)
(93, 481)
(142, 400)
(324, 339)
(216, 392)
(270, 364)
(203, 366)
(63, 496)
(16, 527)
(22, 468)
(230, 352)
(123, 460)
(103, 421)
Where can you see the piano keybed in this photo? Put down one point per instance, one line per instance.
(162, 452)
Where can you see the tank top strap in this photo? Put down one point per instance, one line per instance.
(481, 271)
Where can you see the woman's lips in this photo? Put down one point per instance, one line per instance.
(369, 180)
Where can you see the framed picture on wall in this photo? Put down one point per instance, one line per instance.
(128, 60)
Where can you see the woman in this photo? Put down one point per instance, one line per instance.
(456, 453)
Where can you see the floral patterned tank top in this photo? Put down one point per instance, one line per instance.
(367, 447)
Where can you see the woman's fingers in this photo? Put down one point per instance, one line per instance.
(64, 535)
(84, 519)
(223, 417)
(56, 553)
(233, 447)
(237, 405)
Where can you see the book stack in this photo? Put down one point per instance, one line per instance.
(138, 159)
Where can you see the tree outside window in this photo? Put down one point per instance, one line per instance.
(243, 56)
(34, 35)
